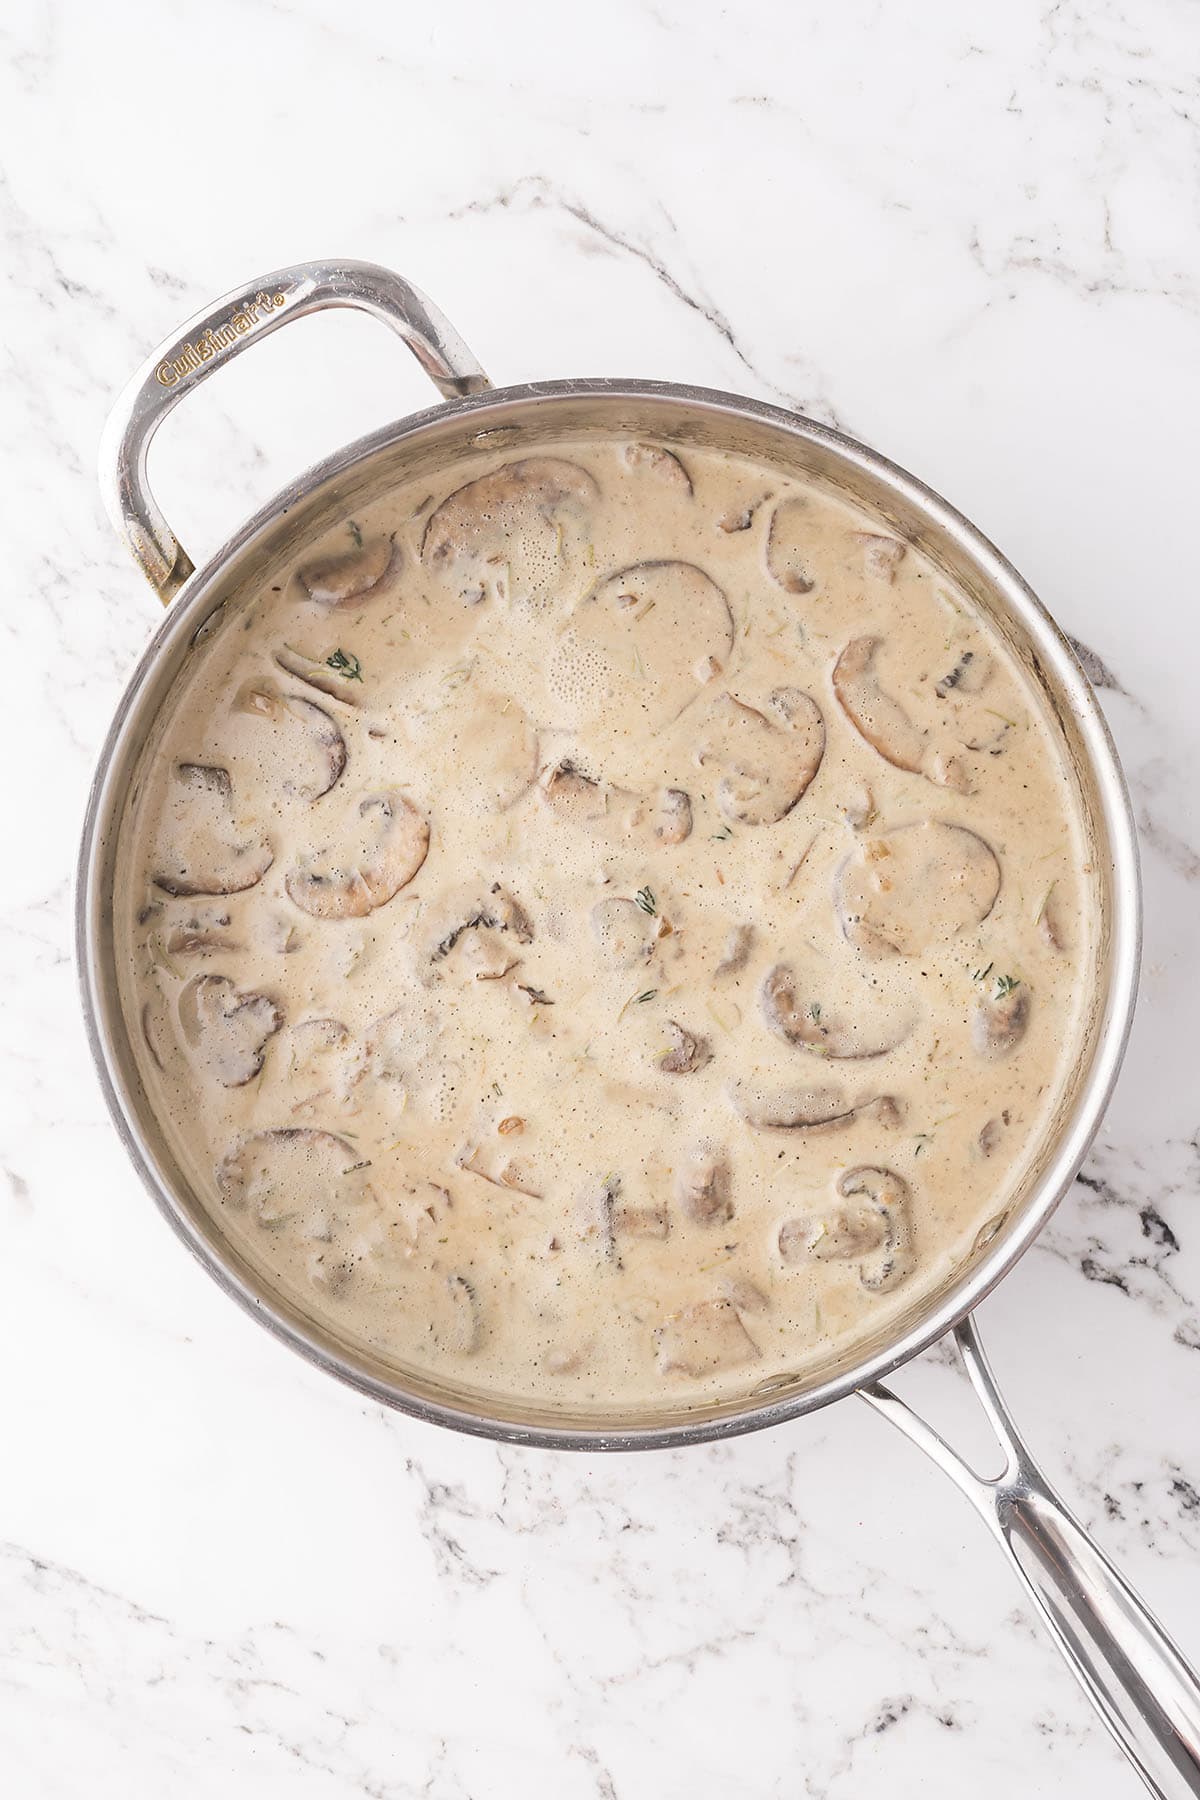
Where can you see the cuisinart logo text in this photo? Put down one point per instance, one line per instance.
(217, 338)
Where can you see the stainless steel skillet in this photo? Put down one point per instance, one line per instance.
(1146, 1693)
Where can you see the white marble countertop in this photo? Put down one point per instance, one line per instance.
(969, 235)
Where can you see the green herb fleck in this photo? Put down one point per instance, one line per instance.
(343, 663)
(815, 1010)
(1005, 985)
(982, 974)
(645, 899)
(355, 531)
(922, 1138)
(722, 836)
(648, 995)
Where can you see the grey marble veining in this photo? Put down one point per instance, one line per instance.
(967, 234)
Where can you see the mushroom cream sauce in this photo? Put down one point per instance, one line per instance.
(609, 935)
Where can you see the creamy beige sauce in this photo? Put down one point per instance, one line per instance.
(609, 933)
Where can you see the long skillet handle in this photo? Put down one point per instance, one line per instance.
(1142, 1687)
(227, 328)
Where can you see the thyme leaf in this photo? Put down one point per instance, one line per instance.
(645, 899)
(355, 530)
(343, 663)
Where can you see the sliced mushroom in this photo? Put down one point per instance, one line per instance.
(703, 1186)
(205, 930)
(807, 1025)
(664, 819)
(807, 1109)
(595, 1216)
(351, 577)
(743, 1293)
(643, 629)
(872, 1225)
(642, 1221)
(787, 546)
(766, 763)
(704, 1338)
(155, 1028)
(736, 951)
(309, 762)
(1000, 1018)
(207, 855)
(499, 537)
(292, 1173)
(313, 1182)
(457, 1322)
(968, 676)
(625, 932)
(883, 722)
(658, 462)
(905, 889)
(572, 794)
(389, 850)
(881, 556)
(227, 1030)
(991, 1132)
(859, 810)
(324, 676)
(311, 1044)
(1049, 921)
(469, 914)
(686, 1054)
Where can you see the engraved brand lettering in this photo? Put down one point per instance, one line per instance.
(189, 357)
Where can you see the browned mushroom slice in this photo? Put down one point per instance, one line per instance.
(968, 676)
(645, 626)
(227, 1030)
(206, 929)
(883, 722)
(308, 762)
(339, 676)
(881, 556)
(352, 577)
(917, 885)
(702, 1339)
(595, 1213)
(663, 464)
(686, 1053)
(390, 848)
(572, 794)
(870, 1225)
(767, 763)
(787, 552)
(1000, 1018)
(484, 929)
(743, 1293)
(770, 1108)
(664, 819)
(313, 1183)
(702, 1186)
(206, 853)
(155, 1028)
(277, 1175)
(1049, 920)
(499, 537)
(991, 1132)
(456, 1323)
(311, 1045)
(809, 1026)
(641, 1221)
(624, 931)
(735, 953)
